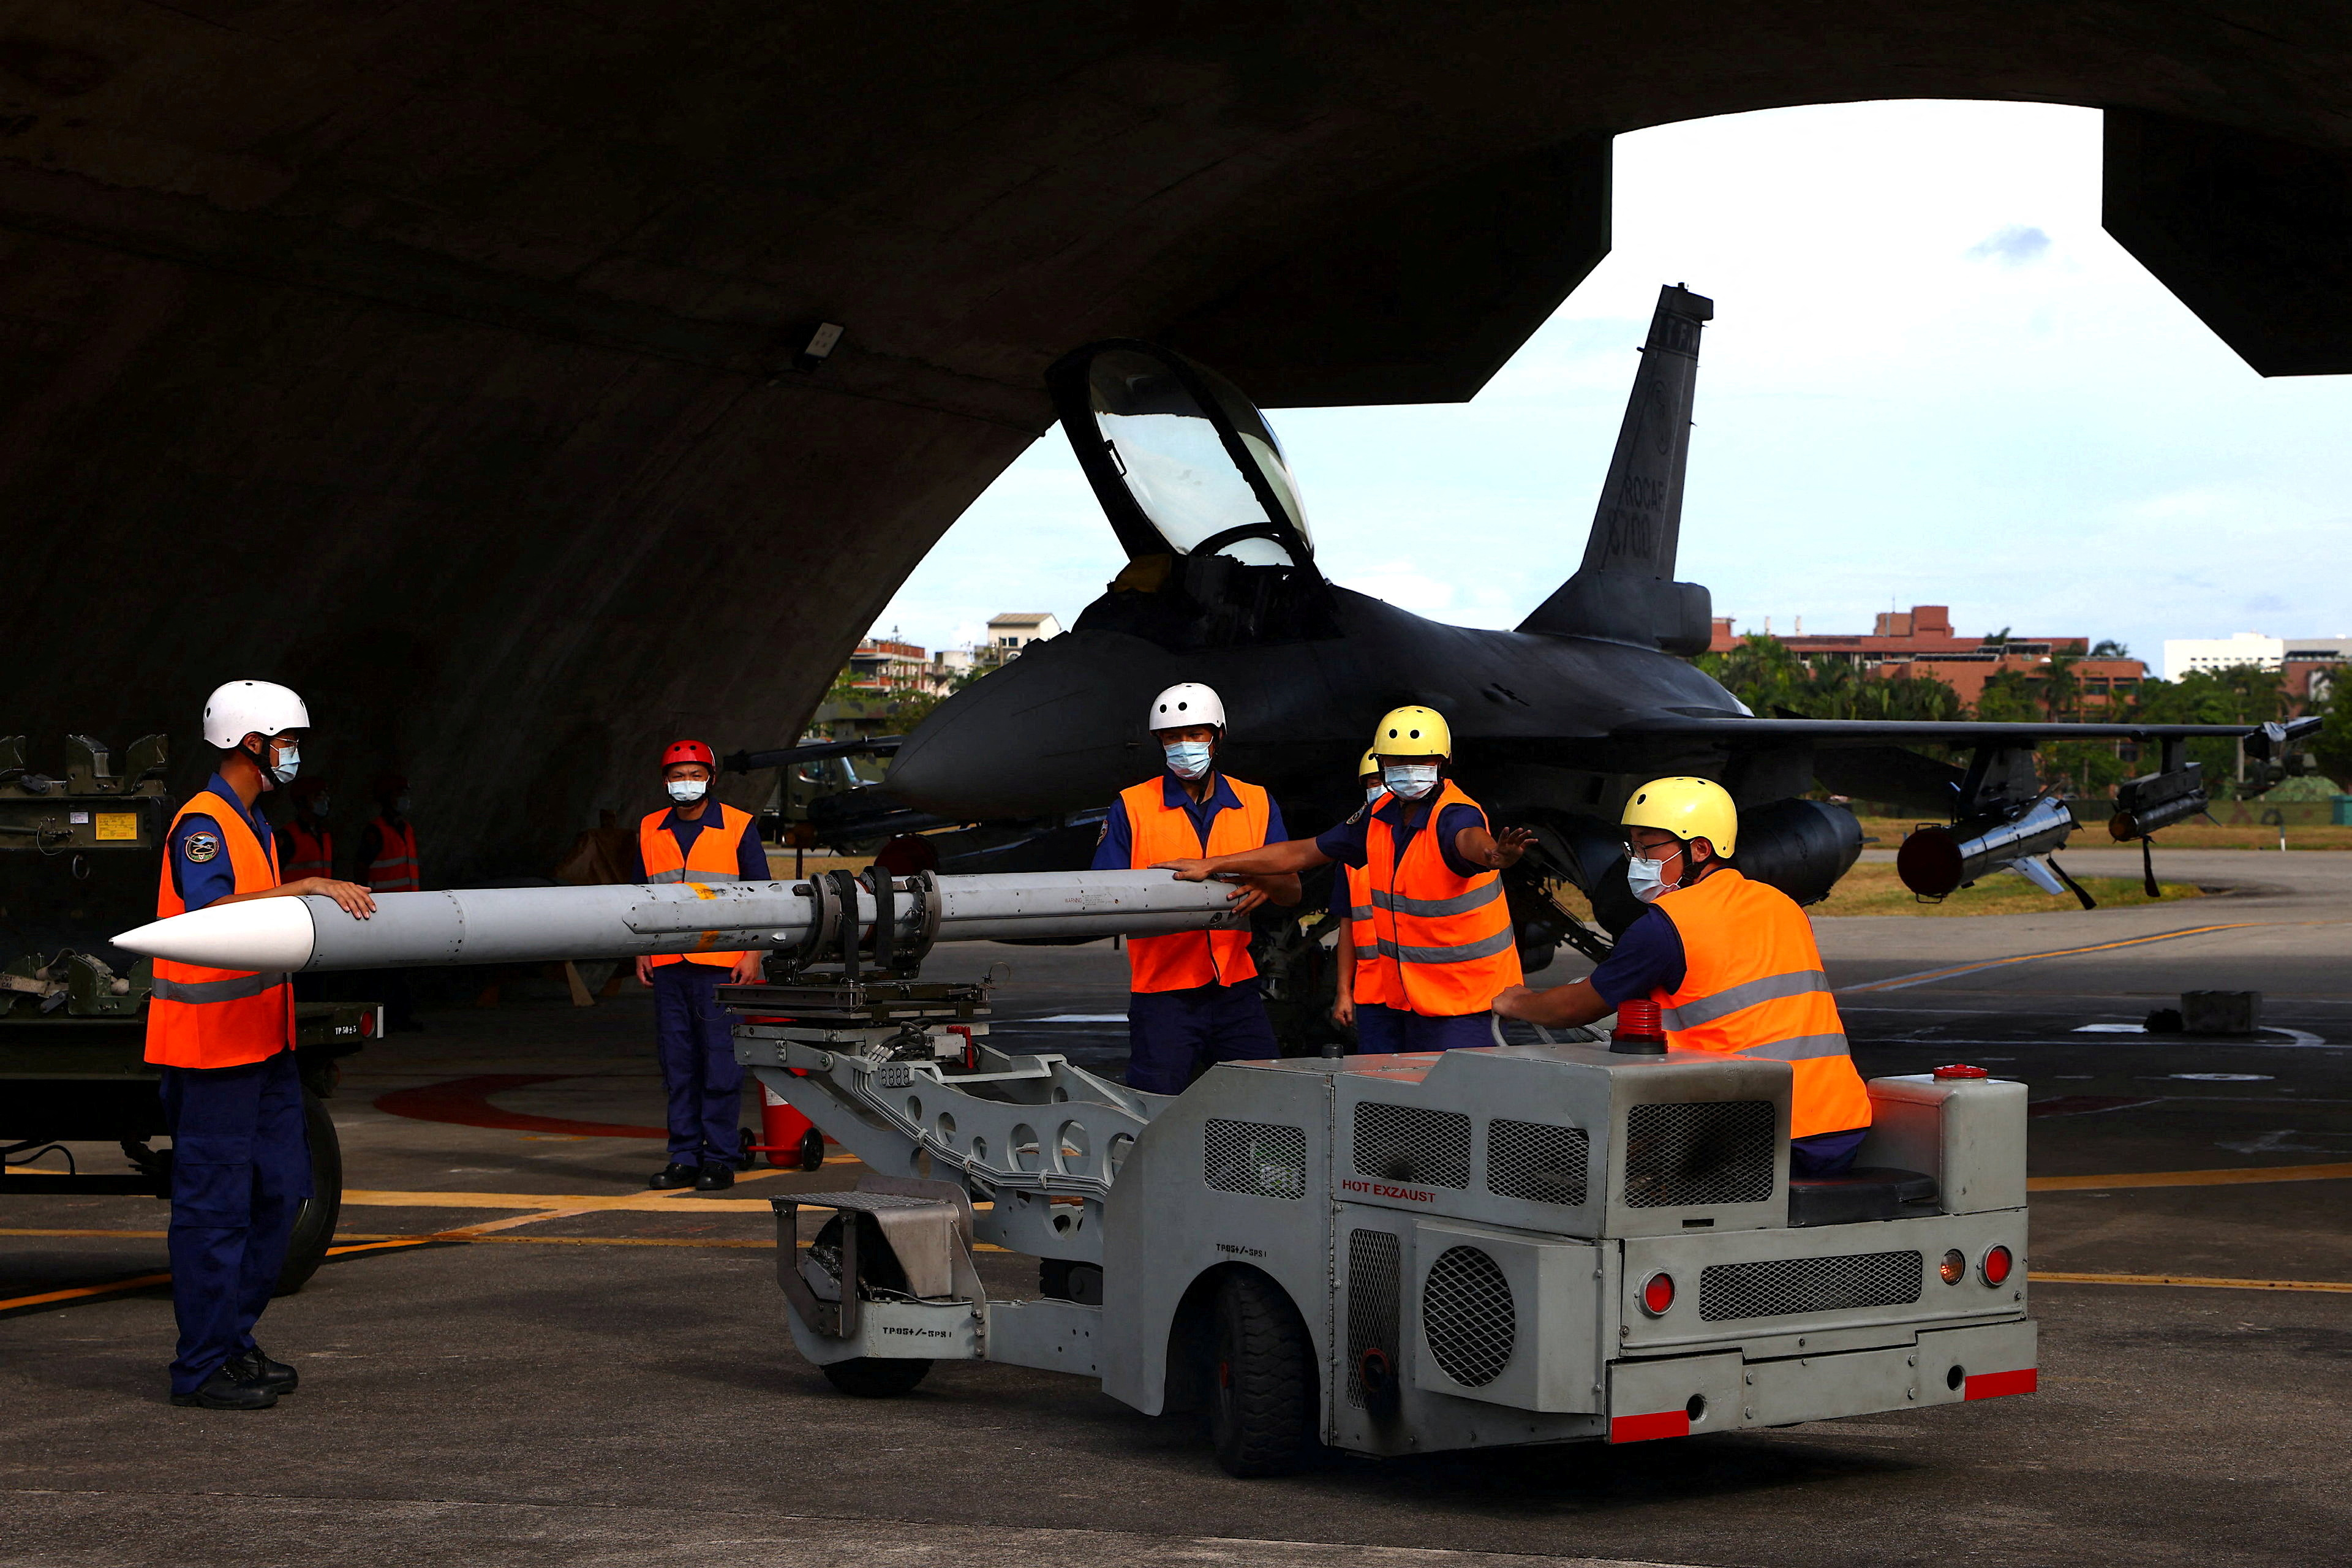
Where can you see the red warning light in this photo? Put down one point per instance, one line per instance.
(1997, 1265)
(1961, 1070)
(1657, 1294)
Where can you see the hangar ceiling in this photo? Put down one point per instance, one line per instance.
(438, 359)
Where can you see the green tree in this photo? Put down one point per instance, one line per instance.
(1761, 672)
(2332, 747)
(2062, 690)
(2008, 698)
(2108, 648)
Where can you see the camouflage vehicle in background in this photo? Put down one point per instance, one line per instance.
(79, 856)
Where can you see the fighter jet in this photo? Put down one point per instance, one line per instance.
(1554, 722)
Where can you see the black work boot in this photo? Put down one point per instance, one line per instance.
(675, 1176)
(255, 1366)
(225, 1390)
(715, 1179)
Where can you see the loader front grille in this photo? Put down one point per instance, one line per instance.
(1405, 1143)
(1261, 1159)
(1536, 1160)
(1701, 1152)
(1374, 1281)
(1468, 1317)
(1784, 1287)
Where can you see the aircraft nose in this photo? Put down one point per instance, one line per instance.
(1049, 733)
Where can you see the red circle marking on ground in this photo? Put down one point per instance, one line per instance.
(465, 1102)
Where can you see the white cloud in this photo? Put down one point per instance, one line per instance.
(2059, 447)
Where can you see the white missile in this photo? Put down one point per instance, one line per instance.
(533, 925)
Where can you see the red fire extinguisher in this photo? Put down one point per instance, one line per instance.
(787, 1138)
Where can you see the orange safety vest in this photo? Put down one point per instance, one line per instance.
(713, 859)
(1157, 831)
(1442, 943)
(394, 868)
(1362, 935)
(200, 1017)
(1753, 986)
(307, 854)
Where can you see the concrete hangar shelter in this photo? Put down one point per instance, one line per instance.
(442, 359)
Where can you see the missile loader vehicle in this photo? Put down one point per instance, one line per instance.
(1530, 1242)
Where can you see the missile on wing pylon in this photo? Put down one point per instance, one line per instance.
(893, 921)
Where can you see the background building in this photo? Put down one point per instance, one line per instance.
(1920, 641)
(1008, 634)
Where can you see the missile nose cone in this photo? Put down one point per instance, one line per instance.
(272, 935)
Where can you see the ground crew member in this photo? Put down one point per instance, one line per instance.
(306, 847)
(224, 1040)
(1193, 998)
(310, 846)
(1442, 946)
(1351, 900)
(696, 839)
(388, 864)
(1731, 965)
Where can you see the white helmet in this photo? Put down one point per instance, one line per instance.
(1185, 704)
(245, 708)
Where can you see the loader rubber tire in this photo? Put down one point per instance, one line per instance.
(876, 1377)
(315, 1220)
(1262, 1384)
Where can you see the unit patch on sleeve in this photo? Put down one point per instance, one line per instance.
(200, 847)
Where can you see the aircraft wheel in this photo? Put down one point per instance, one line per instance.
(1262, 1379)
(876, 1377)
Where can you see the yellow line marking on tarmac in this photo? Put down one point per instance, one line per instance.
(117, 1286)
(2191, 1281)
(2222, 1178)
(1927, 977)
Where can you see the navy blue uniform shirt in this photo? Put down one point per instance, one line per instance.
(750, 857)
(200, 864)
(1347, 843)
(1115, 848)
(1647, 958)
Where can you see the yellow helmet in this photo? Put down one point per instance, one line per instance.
(1413, 732)
(1688, 808)
(1369, 767)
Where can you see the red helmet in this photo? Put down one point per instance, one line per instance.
(688, 751)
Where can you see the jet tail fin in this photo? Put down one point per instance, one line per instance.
(1624, 590)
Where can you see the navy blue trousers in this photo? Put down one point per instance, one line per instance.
(1174, 1037)
(1825, 1153)
(240, 1169)
(1380, 1029)
(693, 1039)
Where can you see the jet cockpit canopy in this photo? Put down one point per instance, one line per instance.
(1184, 464)
(1197, 488)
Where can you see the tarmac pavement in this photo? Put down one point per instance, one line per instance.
(584, 1372)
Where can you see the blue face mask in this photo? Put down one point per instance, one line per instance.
(1373, 792)
(1188, 759)
(1410, 781)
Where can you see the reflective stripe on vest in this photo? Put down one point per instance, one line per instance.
(307, 854)
(1753, 986)
(203, 1017)
(1157, 831)
(1361, 933)
(715, 856)
(1723, 1004)
(395, 869)
(1443, 941)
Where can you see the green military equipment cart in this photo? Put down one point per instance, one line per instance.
(79, 859)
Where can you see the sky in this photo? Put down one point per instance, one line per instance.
(1932, 377)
